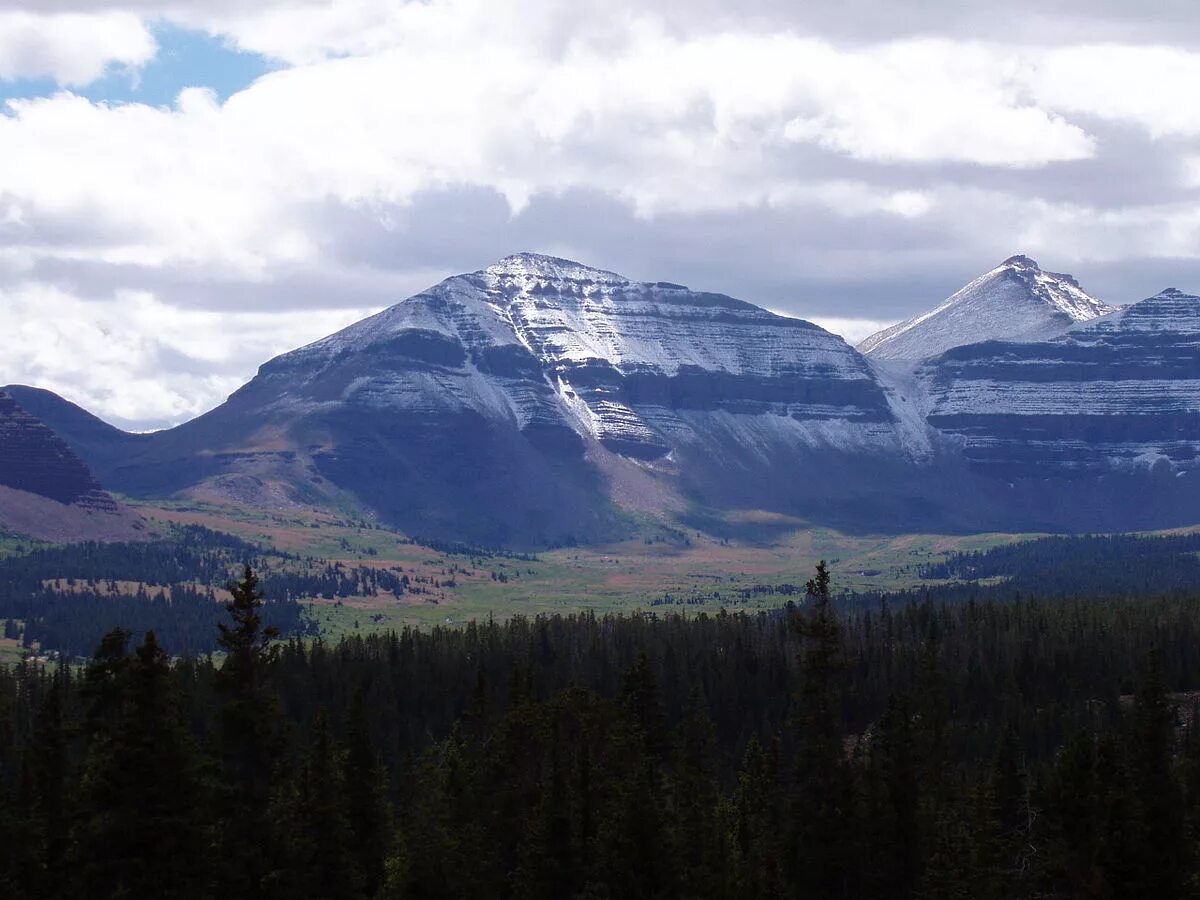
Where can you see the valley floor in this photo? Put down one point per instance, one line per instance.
(678, 569)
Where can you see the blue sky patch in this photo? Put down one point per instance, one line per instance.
(185, 58)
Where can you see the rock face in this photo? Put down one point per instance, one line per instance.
(1117, 394)
(539, 401)
(101, 445)
(47, 492)
(514, 402)
(33, 459)
(1016, 301)
(561, 352)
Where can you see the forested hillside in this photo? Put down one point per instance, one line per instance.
(66, 597)
(978, 749)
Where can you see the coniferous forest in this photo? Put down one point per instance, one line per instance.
(979, 749)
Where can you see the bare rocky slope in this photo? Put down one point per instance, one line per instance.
(46, 490)
(539, 401)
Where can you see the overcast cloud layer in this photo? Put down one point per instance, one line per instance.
(851, 166)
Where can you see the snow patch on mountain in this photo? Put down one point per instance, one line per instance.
(537, 340)
(1169, 311)
(1117, 392)
(1015, 301)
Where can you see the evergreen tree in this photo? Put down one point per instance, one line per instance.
(140, 793)
(45, 799)
(321, 844)
(1073, 820)
(365, 793)
(1125, 851)
(694, 796)
(249, 741)
(633, 824)
(892, 799)
(1007, 821)
(1152, 759)
(547, 866)
(755, 820)
(823, 858)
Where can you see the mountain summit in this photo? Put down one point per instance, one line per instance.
(537, 400)
(1016, 301)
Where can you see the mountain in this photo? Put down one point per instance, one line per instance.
(46, 491)
(35, 460)
(92, 439)
(1014, 301)
(1108, 411)
(540, 400)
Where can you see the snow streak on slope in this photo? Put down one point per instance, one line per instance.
(1016, 301)
(544, 342)
(1120, 392)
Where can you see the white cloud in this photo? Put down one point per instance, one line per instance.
(665, 124)
(852, 330)
(71, 48)
(843, 159)
(135, 359)
(1151, 86)
(930, 101)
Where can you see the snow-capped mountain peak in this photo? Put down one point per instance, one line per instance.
(542, 266)
(1017, 300)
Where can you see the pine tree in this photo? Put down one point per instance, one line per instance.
(694, 797)
(893, 798)
(546, 864)
(249, 740)
(365, 791)
(1073, 820)
(45, 800)
(634, 820)
(755, 822)
(140, 793)
(325, 863)
(1125, 853)
(1006, 822)
(1152, 758)
(442, 848)
(823, 858)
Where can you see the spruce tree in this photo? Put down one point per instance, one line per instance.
(694, 798)
(893, 798)
(321, 846)
(755, 819)
(1152, 759)
(249, 740)
(823, 856)
(1073, 820)
(140, 794)
(633, 821)
(365, 795)
(45, 801)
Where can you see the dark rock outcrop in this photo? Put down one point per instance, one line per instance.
(35, 460)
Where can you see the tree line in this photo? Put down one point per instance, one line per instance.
(1080, 565)
(993, 750)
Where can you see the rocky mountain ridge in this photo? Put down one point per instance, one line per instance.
(539, 401)
(1119, 393)
(35, 460)
(1015, 301)
(46, 490)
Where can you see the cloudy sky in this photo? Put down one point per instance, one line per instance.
(188, 187)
